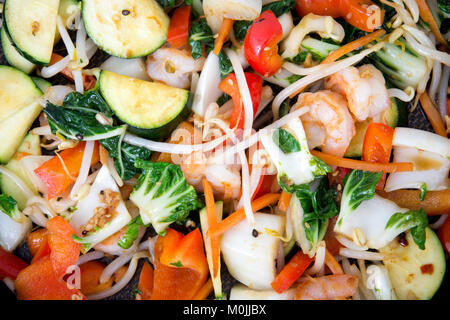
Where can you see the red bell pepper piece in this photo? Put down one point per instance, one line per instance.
(181, 268)
(230, 86)
(444, 234)
(291, 272)
(43, 280)
(261, 44)
(377, 146)
(179, 27)
(362, 14)
(10, 265)
(54, 176)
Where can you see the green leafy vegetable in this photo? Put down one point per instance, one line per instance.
(8, 206)
(177, 264)
(223, 99)
(423, 191)
(321, 168)
(359, 186)
(163, 195)
(225, 65)
(285, 141)
(166, 3)
(81, 241)
(200, 35)
(318, 206)
(416, 220)
(285, 107)
(76, 120)
(127, 240)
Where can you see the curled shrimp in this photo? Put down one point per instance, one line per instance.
(173, 67)
(225, 179)
(338, 286)
(364, 88)
(328, 124)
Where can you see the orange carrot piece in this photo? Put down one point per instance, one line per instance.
(363, 165)
(332, 263)
(349, 47)
(285, 199)
(35, 239)
(145, 285)
(212, 221)
(90, 278)
(432, 114)
(225, 29)
(204, 291)
(291, 272)
(239, 215)
(427, 16)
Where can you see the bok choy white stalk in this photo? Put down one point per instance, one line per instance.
(14, 225)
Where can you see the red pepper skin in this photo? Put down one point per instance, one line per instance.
(444, 234)
(261, 44)
(179, 27)
(230, 86)
(10, 265)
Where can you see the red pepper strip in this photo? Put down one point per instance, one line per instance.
(362, 14)
(181, 268)
(145, 285)
(377, 146)
(10, 265)
(291, 272)
(444, 234)
(43, 280)
(179, 27)
(53, 174)
(230, 86)
(261, 44)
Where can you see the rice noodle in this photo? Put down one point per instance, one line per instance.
(123, 281)
(404, 95)
(439, 222)
(244, 91)
(443, 87)
(329, 69)
(93, 255)
(355, 254)
(65, 38)
(114, 266)
(319, 261)
(84, 168)
(17, 181)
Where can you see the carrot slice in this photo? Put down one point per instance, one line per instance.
(427, 16)
(349, 47)
(90, 278)
(204, 291)
(212, 221)
(225, 29)
(291, 271)
(432, 115)
(332, 263)
(363, 165)
(239, 215)
(285, 199)
(145, 285)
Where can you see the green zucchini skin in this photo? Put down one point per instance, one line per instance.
(165, 130)
(12, 55)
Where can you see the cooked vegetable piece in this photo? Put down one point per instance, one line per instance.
(126, 29)
(13, 56)
(414, 273)
(90, 273)
(14, 225)
(179, 27)
(151, 109)
(146, 278)
(162, 194)
(241, 292)
(32, 27)
(10, 265)
(291, 272)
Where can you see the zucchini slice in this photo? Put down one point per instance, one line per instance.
(151, 109)
(126, 28)
(13, 56)
(17, 90)
(42, 84)
(416, 274)
(32, 27)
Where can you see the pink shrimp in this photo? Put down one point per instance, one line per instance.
(338, 286)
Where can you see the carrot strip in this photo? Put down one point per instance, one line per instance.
(332, 263)
(239, 215)
(433, 115)
(427, 16)
(212, 221)
(363, 165)
(349, 47)
(283, 203)
(204, 291)
(225, 29)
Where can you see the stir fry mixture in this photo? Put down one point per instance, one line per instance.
(224, 149)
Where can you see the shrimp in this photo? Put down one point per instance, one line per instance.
(329, 287)
(225, 179)
(328, 124)
(173, 67)
(364, 88)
